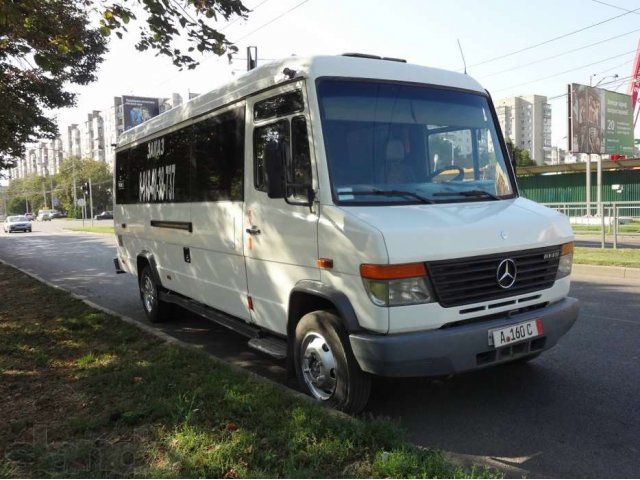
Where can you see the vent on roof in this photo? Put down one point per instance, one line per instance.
(374, 57)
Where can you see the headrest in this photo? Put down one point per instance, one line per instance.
(395, 151)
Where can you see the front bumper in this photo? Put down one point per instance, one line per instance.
(458, 349)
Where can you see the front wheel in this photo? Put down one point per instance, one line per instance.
(325, 365)
(155, 309)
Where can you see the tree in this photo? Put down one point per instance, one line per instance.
(520, 155)
(48, 45)
(83, 171)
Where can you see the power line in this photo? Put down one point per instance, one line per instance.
(566, 71)
(614, 6)
(558, 55)
(554, 39)
(272, 20)
(166, 80)
(620, 81)
(239, 18)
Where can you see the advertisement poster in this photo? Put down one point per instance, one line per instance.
(138, 109)
(600, 121)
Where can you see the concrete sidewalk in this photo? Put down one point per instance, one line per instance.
(606, 271)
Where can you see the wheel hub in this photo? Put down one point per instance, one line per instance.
(148, 293)
(318, 366)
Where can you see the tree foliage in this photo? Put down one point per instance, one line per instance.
(28, 194)
(48, 45)
(520, 155)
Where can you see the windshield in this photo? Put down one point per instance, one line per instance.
(398, 143)
(17, 219)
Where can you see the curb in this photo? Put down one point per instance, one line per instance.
(606, 271)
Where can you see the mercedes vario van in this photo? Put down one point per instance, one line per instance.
(356, 215)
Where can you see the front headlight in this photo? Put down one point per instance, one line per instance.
(566, 260)
(395, 285)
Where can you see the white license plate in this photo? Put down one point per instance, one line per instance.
(515, 333)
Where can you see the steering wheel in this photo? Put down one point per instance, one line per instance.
(459, 176)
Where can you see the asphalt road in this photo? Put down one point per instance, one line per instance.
(573, 412)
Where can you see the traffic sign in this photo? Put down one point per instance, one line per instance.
(81, 202)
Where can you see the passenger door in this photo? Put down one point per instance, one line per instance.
(280, 235)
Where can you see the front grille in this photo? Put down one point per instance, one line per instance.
(470, 280)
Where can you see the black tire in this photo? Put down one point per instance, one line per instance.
(156, 310)
(325, 365)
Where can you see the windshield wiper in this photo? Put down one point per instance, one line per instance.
(390, 193)
(468, 193)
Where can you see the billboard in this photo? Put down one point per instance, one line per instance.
(138, 109)
(600, 121)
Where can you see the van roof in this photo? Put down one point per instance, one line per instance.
(270, 74)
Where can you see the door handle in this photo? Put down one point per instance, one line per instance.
(253, 230)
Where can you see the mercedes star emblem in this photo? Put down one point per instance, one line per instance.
(506, 273)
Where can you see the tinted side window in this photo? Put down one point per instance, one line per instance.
(175, 165)
(299, 172)
(218, 157)
(274, 132)
(155, 171)
(279, 106)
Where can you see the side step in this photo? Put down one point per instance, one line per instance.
(272, 346)
(212, 314)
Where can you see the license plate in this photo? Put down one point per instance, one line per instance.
(515, 333)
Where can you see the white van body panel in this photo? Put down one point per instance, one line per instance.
(349, 242)
(419, 233)
(431, 316)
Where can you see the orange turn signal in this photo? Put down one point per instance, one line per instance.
(325, 263)
(566, 249)
(392, 272)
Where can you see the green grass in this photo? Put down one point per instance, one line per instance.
(621, 257)
(84, 394)
(632, 227)
(97, 229)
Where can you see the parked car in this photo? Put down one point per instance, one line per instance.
(44, 216)
(17, 223)
(30, 216)
(104, 216)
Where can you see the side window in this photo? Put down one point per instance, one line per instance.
(174, 165)
(299, 172)
(262, 136)
(279, 106)
(218, 157)
(452, 147)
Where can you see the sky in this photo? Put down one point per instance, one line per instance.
(507, 44)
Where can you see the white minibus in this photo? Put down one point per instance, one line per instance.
(353, 214)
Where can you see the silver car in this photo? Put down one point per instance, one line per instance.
(17, 223)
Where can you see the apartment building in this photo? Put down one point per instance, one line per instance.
(97, 136)
(526, 120)
(43, 158)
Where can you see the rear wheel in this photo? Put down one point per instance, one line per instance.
(325, 365)
(155, 309)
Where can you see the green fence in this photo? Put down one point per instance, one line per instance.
(570, 187)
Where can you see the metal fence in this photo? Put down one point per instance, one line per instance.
(606, 222)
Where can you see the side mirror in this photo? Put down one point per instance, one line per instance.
(274, 158)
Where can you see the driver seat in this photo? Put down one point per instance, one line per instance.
(398, 169)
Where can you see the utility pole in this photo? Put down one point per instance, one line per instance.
(75, 193)
(91, 202)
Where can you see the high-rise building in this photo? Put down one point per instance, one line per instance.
(526, 121)
(97, 136)
(43, 158)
